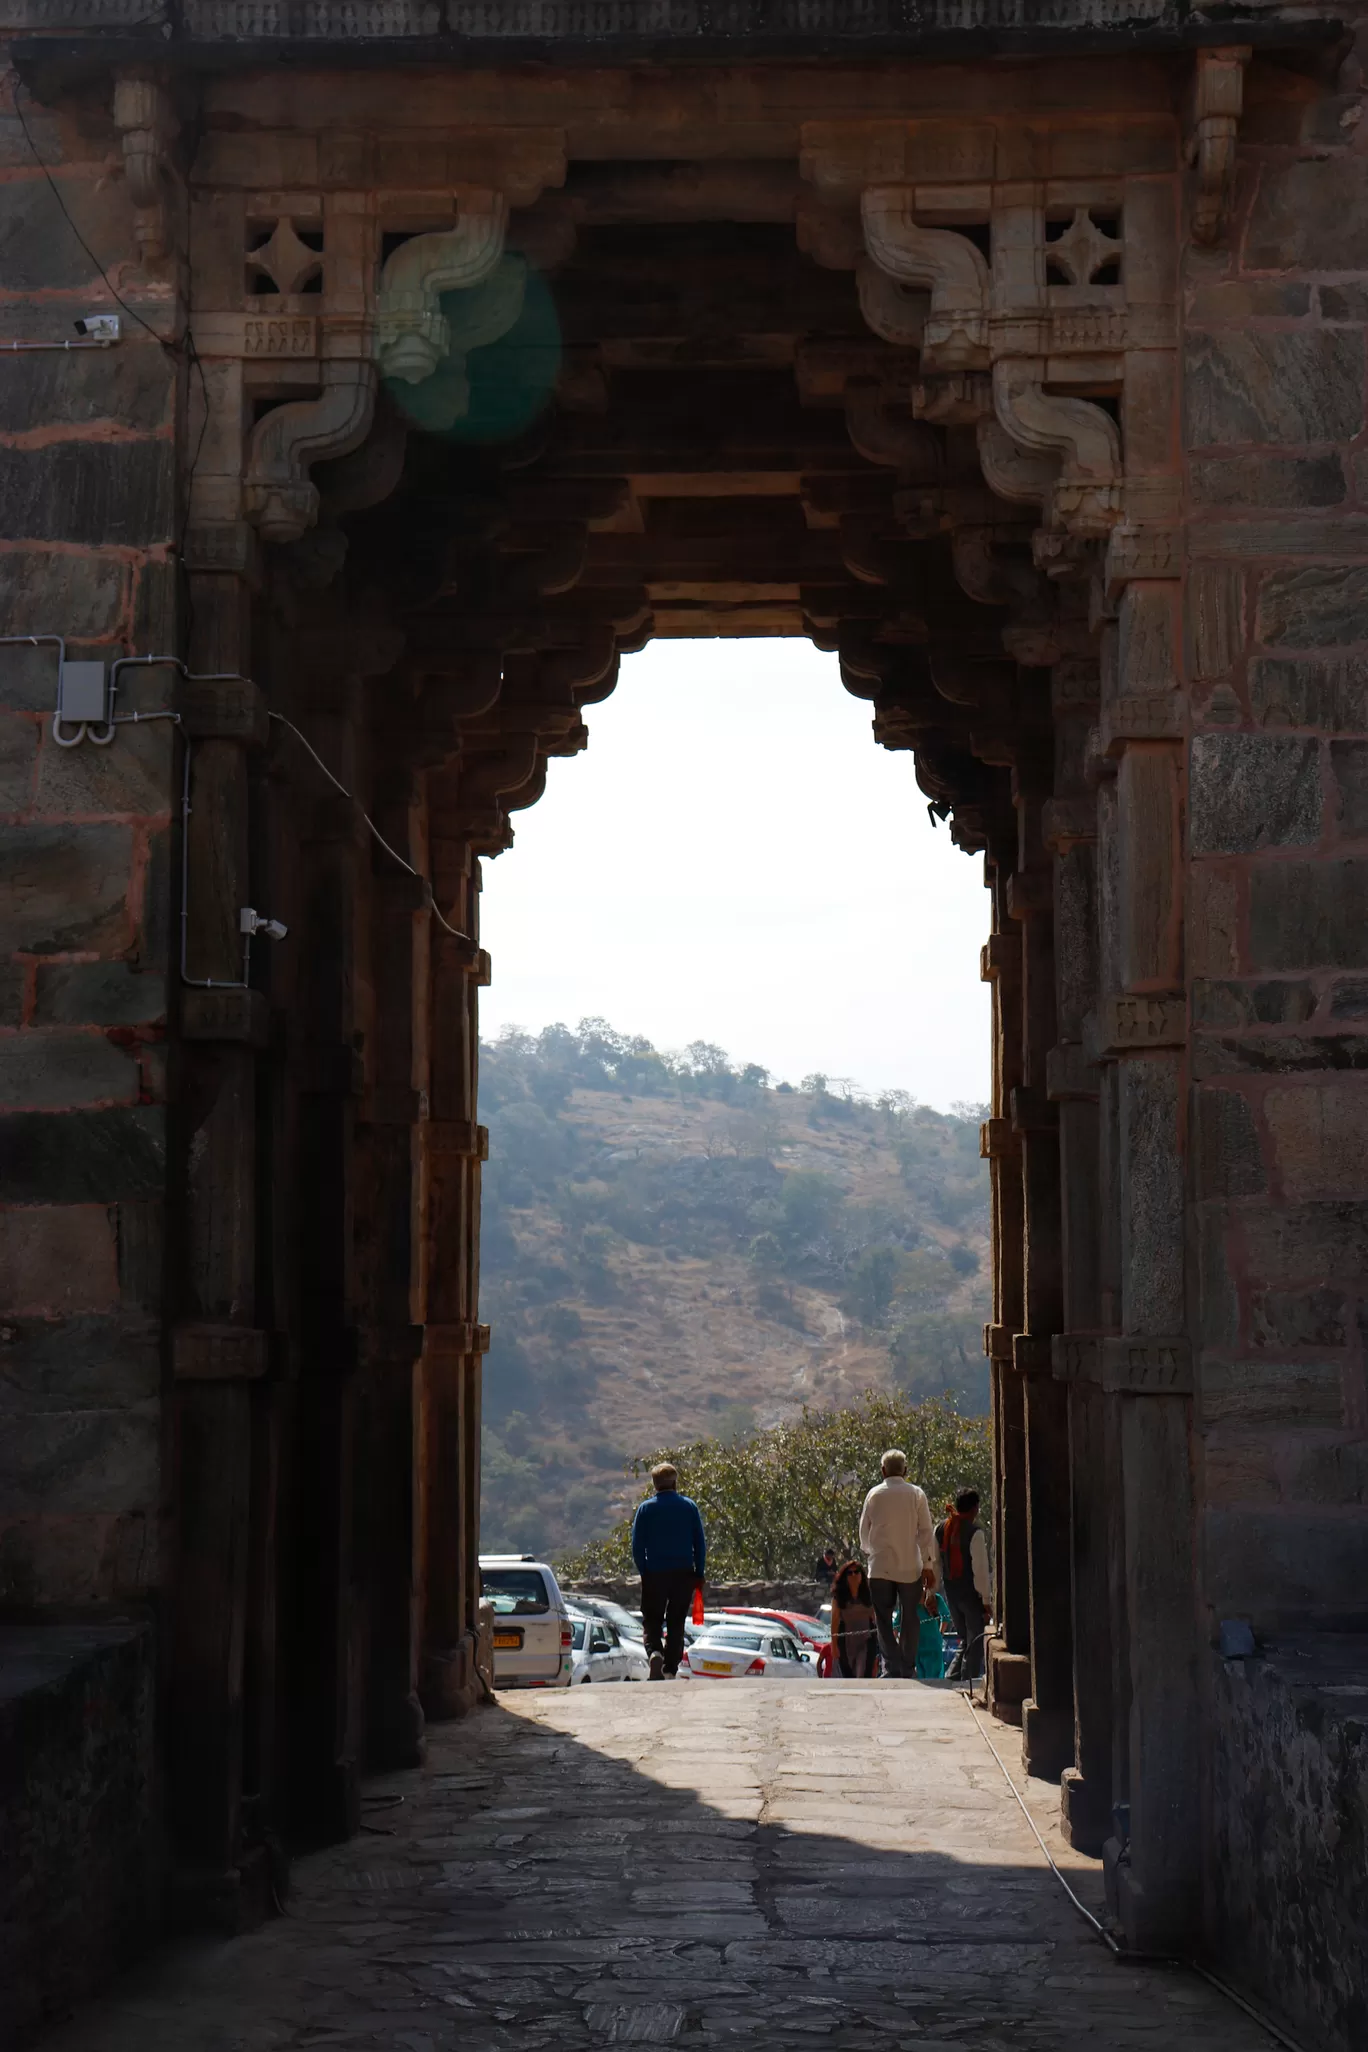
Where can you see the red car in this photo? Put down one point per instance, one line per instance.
(809, 1631)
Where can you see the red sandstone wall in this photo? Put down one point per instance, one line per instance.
(87, 520)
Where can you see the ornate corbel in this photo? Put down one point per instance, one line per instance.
(1024, 477)
(1085, 499)
(279, 497)
(897, 313)
(412, 336)
(1213, 123)
(987, 574)
(145, 119)
(881, 436)
(960, 400)
(473, 318)
(942, 262)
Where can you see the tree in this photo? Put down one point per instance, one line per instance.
(773, 1499)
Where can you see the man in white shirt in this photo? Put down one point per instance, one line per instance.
(897, 1539)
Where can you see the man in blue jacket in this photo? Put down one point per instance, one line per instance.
(670, 1552)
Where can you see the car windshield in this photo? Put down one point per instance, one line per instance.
(724, 1635)
(514, 1592)
(577, 1636)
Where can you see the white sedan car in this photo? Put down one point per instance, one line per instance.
(724, 1651)
(599, 1653)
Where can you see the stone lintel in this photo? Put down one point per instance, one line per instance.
(1031, 1353)
(1134, 1025)
(1069, 1075)
(459, 952)
(1141, 716)
(461, 1339)
(1033, 1111)
(222, 547)
(459, 1138)
(1076, 1357)
(1139, 1365)
(219, 1353)
(998, 1140)
(227, 1014)
(1000, 951)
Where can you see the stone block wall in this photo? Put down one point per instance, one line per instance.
(1290, 1830)
(87, 531)
(1277, 828)
(80, 1850)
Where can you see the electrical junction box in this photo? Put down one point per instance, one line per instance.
(82, 694)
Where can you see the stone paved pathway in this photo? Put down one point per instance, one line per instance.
(757, 1865)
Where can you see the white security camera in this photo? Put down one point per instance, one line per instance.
(99, 327)
(252, 923)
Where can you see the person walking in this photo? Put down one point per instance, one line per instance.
(964, 1577)
(824, 1571)
(854, 1628)
(671, 1552)
(897, 1540)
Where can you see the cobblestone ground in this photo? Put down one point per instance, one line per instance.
(754, 1865)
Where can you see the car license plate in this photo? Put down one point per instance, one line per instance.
(507, 1642)
(717, 1667)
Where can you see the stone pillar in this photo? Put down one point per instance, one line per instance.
(1009, 1660)
(1047, 1715)
(455, 1342)
(218, 1351)
(323, 1642)
(1156, 1872)
(1074, 1085)
(390, 1232)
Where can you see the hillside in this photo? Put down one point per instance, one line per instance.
(674, 1247)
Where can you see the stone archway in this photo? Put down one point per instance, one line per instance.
(895, 365)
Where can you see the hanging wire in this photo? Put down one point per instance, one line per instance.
(393, 853)
(1149, 1959)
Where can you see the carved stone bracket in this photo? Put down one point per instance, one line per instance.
(946, 264)
(145, 119)
(896, 313)
(1085, 499)
(279, 497)
(1213, 123)
(474, 318)
(412, 335)
(884, 437)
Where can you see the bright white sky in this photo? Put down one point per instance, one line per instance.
(734, 860)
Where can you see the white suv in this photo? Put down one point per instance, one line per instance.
(532, 1633)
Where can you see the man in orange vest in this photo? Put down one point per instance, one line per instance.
(964, 1578)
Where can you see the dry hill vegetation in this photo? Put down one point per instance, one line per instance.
(675, 1247)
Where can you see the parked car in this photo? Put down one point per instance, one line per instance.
(629, 1625)
(725, 1651)
(532, 1630)
(810, 1630)
(813, 1632)
(599, 1653)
